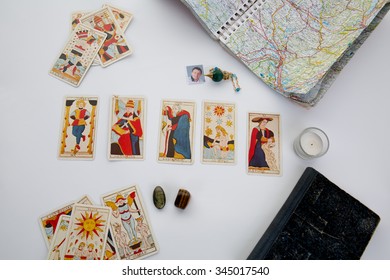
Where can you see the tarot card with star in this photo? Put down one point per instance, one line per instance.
(130, 224)
(78, 54)
(126, 135)
(115, 47)
(219, 133)
(87, 233)
(263, 144)
(176, 132)
(77, 138)
(56, 249)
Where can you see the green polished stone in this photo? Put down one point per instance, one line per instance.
(217, 75)
(159, 197)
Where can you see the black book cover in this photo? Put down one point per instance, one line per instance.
(318, 221)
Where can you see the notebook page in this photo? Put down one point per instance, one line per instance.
(291, 44)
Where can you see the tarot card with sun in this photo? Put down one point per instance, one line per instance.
(219, 122)
(87, 233)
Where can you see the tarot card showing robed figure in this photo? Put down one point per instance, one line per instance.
(77, 139)
(126, 136)
(264, 154)
(87, 233)
(115, 47)
(219, 126)
(77, 56)
(176, 132)
(56, 249)
(130, 225)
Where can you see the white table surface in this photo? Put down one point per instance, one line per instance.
(229, 210)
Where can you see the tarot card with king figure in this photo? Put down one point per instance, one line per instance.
(126, 135)
(115, 47)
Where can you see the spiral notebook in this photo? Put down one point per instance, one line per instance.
(297, 47)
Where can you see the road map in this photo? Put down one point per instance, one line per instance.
(290, 44)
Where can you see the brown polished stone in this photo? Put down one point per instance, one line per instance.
(182, 198)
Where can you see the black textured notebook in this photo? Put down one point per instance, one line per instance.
(318, 221)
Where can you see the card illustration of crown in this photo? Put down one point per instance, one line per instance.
(82, 34)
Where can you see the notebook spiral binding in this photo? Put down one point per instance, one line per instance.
(240, 16)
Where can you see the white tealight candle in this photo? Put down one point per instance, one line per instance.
(311, 143)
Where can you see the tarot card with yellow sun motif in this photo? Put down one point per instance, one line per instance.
(48, 222)
(219, 132)
(77, 139)
(87, 233)
(130, 224)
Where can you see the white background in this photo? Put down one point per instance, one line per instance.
(229, 210)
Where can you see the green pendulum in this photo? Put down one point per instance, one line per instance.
(217, 75)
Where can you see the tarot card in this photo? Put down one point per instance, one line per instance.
(75, 18)
(176, 132)
(264, 153)
(110, 251)
(121, 16)
(219, 136)
(130, 225)
(87, 233)
(48, 222)
(126, 136)
(78, 54)
(77, 140)
(85, 200)
(75, 21)
(115, 47)
(56, 249)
